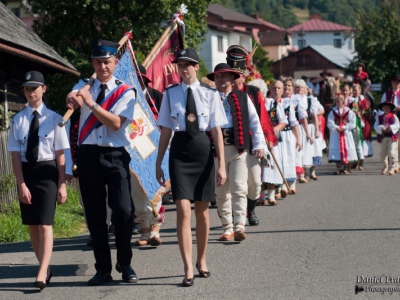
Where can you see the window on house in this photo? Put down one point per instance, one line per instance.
(337, 43)
(303, 60)
(220, 48)
(16, 11)
(336, 34)
(301, 43)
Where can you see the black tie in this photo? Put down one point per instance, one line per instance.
(100, 98)
(32, 148)
(102, 93)
(192, 123)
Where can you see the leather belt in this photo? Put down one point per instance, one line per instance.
(228, 136)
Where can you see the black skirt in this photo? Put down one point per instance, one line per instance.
(191, 167)
(41, 178)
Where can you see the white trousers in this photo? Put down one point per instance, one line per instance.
(231, 197)
(389, 148)
(143, 209)
(254, 177)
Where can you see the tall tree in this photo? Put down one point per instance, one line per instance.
(71, 26)
(378, 39)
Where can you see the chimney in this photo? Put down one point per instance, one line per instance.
(255, 16)
(315, 17)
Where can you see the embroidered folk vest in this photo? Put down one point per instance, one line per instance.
(240, 119)
(391, 120)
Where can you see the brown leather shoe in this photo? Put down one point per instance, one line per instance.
(141, 242)
(239, 235)
(155, 241)
(293, 191)
(303, 180)
(226, 236)
(283, 193)
(272, 202)
(383, 172)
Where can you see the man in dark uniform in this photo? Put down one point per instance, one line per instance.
(238, 58)
(103, 162)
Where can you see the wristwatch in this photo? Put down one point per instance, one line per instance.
(95, 106)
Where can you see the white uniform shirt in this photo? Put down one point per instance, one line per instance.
(51, 136)
(254, 122)
(105, 136)
(210, 112)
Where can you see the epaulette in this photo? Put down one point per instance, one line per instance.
(118, 82)
(171, 86)
(207, 86)
(85, 79)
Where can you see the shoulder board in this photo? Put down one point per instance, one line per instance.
(206, 86)
(171, 86)
(118, 82)
(84, 79)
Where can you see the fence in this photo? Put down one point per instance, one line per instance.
(8, 187)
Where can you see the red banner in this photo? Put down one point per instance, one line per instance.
(161, 71)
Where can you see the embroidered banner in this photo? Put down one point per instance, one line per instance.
(143, 135)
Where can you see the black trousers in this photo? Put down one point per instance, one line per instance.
(104, 171)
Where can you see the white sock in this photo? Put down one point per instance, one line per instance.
(292, 185)
(271, 194)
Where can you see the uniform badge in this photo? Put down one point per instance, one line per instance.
(183, 52)
(28, 76)
(191, 117)
(98, 43)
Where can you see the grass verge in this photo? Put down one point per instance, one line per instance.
(68, 221)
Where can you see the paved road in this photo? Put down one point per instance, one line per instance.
(313, 245)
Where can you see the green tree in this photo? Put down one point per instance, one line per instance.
(72, 26)
(378, 39)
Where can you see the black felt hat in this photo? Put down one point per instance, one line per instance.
(142, 72)
(394, 77)
(381, 105)
(223, 68)
(325, 72)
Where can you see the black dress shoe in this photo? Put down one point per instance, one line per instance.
(100, 278)
(111, 228)
(128, 274)
(89, 242)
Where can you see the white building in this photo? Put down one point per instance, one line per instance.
(316, 32)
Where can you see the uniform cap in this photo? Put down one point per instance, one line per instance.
(189, 55)
(104, 49)
(33, 79)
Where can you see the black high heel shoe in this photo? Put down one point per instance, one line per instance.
(204, 274)
(188, 282)
(49, 275)
(39, 284)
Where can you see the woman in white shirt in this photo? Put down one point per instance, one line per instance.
(37, 144)
(190, 109)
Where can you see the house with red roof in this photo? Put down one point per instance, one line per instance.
(316, 32)
(277, 41)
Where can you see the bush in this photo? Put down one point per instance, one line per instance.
(69, 220)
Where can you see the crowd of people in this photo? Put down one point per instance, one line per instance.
(238, 143)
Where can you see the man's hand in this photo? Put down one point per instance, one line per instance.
(73, 101)
(258, 153)
(86, 96)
